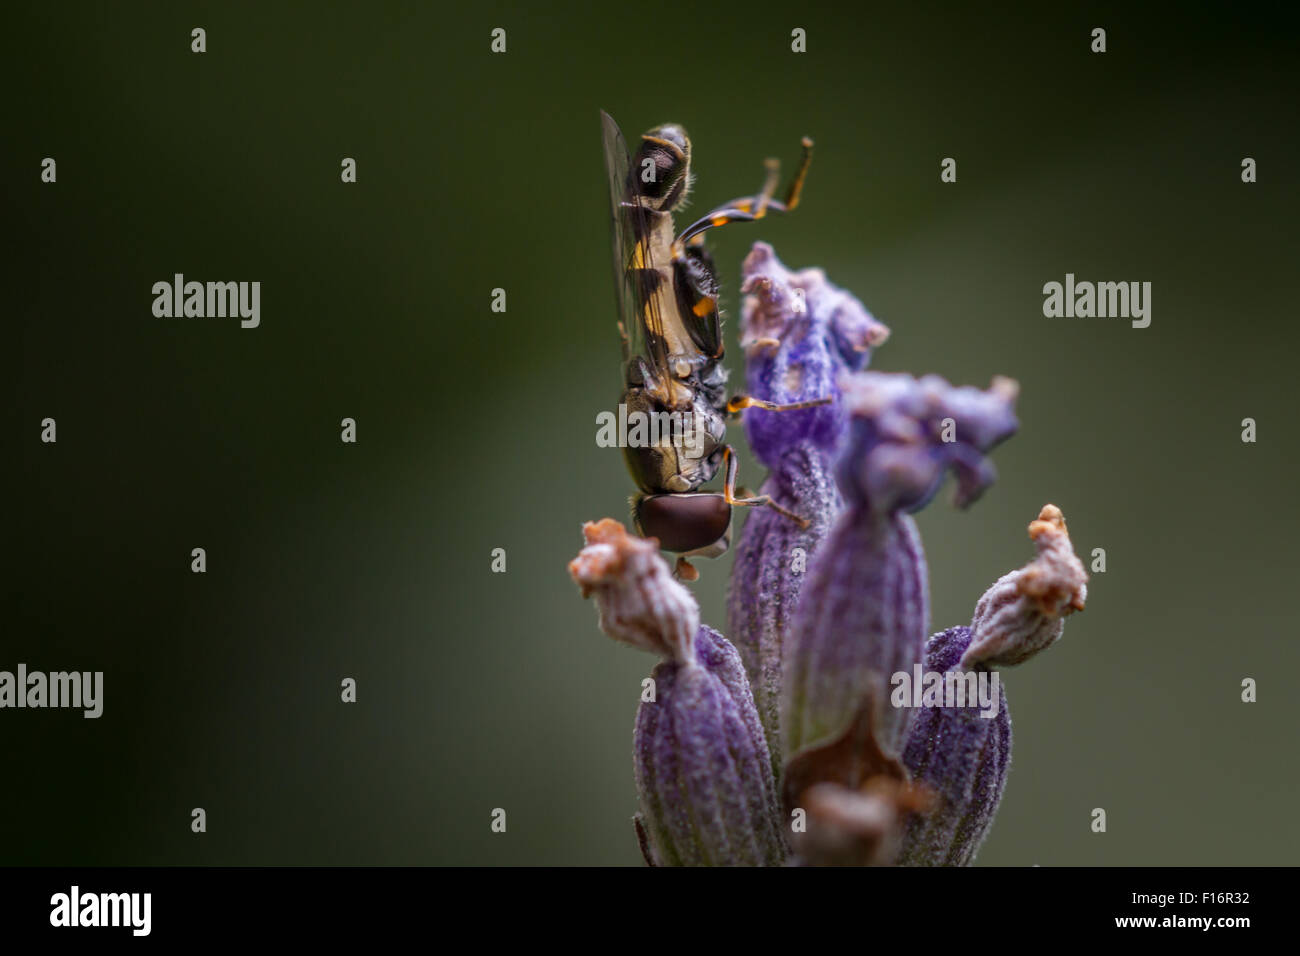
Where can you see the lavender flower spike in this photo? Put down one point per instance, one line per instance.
(959, 753)
(864, 612)
(799, 333)
(702, 767)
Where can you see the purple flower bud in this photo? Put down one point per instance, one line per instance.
(964, 758)
(701, 761)
(799, 332)
(907, 433)
(702, 766)
(958, 752)
(864, 612)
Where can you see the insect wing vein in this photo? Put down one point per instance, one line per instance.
(638, 307)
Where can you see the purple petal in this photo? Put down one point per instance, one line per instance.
(906, 433)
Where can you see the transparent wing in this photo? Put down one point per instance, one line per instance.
(635, 276)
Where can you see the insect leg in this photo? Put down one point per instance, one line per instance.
(729, 491)
(795, 191)
(697, 298)
(739, 212)
(749, 208)
(764, 198)
(741, 402)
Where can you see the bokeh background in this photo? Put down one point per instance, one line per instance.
(476, 430)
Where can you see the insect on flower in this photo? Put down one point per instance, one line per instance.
(672, 340)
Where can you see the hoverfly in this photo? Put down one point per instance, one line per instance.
(672, 339)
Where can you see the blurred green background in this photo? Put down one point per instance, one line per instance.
(476, 430)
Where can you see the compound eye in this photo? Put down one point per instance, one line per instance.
(684, 523)
(658, 170)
